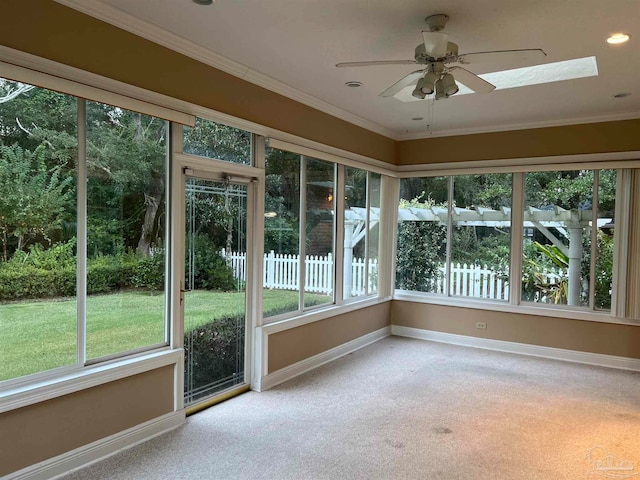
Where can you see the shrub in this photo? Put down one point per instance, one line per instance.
(149, 273)
(26, 281)
(107, 274)
(214, 352)
(210, 270)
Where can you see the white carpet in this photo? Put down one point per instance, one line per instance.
(409, 409)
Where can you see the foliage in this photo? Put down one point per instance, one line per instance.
(149, 273)
(35, 197)
(214, 351)
(207, 266)
(215, 140)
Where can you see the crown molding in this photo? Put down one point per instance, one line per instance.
(521, 126)
(149, 31)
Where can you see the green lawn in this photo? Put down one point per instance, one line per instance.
(41, 335)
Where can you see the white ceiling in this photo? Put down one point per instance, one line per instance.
(298, 42)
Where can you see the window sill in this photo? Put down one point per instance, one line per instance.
(40, 390)
(524, 309)
(321, 314)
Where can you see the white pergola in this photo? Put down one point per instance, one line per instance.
(568, 223)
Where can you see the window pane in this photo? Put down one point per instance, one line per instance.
(604, 254)
(374, 232)
(281, 233)
(557, 237)
(126, 170)
(481, 240)
(355, 230)
(320, 201)
(215, 140)
(422, 234)
(38, 152)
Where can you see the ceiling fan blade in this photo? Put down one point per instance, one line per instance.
(376, 62)
(435, 43)
(471, 80)
(402, 83)
(503, 57)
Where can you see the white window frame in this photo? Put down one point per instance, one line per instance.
(515, 304)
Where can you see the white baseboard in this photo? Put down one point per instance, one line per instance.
(287, 373)
(598, 359)
(100, 449)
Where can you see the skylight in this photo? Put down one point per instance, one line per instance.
(522, 77)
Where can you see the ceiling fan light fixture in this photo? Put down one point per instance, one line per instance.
(203, 2)
(440, 95)
(425, 85)
(449, 85)
(417, 92)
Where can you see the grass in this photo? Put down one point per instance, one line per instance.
(41, 335)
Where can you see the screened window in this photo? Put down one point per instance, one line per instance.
(361, 232)
(38, 219)
(568, 237)
(454, 237)
(215, 140)
(299, 232)
(83, 236)
(126, 186)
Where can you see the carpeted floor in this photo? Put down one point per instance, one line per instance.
(409, 409)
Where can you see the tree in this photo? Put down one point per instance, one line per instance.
(34, 196)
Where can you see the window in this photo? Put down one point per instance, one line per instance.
(38, 218)
(361, 232)
(299, 223)
(126, 172)
(454, 237)
(215, 140)
(83, 234)
(567, 243)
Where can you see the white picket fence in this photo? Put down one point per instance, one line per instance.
(281, 272)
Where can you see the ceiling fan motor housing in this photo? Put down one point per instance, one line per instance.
(421, 56)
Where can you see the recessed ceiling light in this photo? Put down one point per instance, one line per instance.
(203, 2)
(353, 84)
(622, 95)
(618, 38)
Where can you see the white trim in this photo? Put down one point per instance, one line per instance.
(526, 308)
(99, 450)
(28, 394)
(599, 359)
(158, 35)
(287, 373)
(520, 126)
(27, 68)
(322, 313)
(594, 161)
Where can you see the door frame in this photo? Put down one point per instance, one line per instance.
(183, 166)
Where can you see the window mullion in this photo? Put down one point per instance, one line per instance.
(366, 233)
(517, 227)
(447, 289)
(339, 218)
(81, 268)
(302, 231)
(594, 238)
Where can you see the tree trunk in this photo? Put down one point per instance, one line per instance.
(152, 201)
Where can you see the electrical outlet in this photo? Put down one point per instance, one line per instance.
(481, 325)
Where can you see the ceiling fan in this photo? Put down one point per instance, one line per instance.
(437, 53)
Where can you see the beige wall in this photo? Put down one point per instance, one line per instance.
(296, 344)
(44, 430)
(580, 335)
(50, 30)
(604, 137)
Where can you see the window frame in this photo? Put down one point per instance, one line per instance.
(515, 304)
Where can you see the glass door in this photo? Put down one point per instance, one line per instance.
(214, 299)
